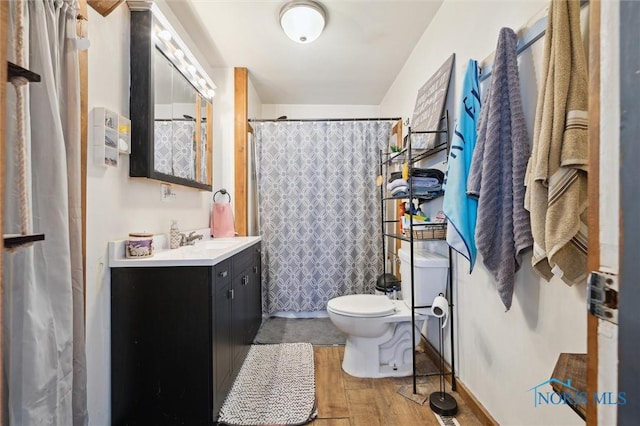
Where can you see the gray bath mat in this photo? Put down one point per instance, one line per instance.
(275, 386)
(317, 331)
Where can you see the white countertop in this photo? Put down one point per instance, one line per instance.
(206, 252)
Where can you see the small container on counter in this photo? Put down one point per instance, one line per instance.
(174, 235)
(139, 245)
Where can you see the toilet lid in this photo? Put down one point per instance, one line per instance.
(362, 305)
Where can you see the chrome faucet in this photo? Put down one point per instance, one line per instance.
(189, 240)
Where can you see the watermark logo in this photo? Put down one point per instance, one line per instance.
(572, 396)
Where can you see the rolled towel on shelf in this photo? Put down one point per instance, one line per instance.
(400, 191)
(396, 183)
(424, 181)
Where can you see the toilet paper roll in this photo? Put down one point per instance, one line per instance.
(440, 308)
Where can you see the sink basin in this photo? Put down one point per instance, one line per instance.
(216, 244)
(206, 248)
(199, 249)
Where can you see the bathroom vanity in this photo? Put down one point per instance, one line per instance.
(182, 323)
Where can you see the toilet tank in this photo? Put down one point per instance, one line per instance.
(430, 276)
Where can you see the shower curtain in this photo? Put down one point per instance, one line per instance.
(43, 318)
(174, 148)
(319, 208)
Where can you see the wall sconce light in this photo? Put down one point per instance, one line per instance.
(302, 20)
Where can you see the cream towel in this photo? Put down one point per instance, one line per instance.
(557, 171)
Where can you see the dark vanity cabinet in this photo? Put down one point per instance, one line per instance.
(179, 336)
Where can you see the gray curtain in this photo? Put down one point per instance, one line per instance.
(174, 148)
(43, 318)
(319, 209)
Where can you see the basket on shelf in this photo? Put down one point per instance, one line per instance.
(435, 231)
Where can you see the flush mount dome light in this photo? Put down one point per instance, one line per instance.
(302, 20)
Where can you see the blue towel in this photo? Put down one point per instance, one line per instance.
(460, 208)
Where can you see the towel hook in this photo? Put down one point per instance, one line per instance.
(223, 192)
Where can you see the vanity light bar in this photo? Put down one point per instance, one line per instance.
(166, 38)
(165, 35)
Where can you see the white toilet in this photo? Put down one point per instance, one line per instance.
(378, 329)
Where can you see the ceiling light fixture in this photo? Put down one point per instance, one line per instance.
(302, 20)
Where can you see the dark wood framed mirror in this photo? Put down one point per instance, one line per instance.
(170, 104)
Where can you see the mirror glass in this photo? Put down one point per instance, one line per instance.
(162, 127)
(179, 142)
(172, 129)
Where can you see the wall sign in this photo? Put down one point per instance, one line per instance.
(430, 104)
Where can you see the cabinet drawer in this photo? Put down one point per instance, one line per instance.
(222, 272)
(243, 260)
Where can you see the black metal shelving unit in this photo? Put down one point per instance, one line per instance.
(412, 156)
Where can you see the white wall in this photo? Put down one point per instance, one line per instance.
(223, 144)
(499, 355)
(118, 204)
(255, 103)
(271, 111)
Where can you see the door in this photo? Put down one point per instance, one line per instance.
(613, 371)
(629, 297)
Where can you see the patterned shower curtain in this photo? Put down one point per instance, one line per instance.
(319, 209)
(174, 148)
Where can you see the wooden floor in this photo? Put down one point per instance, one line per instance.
(344, 400)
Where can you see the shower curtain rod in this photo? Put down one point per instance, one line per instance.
(323, 119)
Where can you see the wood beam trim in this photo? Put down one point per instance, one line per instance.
(83, 59)
(4, 21)
(593, 214)
(397, 130)
(197, 136)
(103, 7)
(241, 113)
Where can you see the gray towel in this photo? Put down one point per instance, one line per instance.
(497, 172)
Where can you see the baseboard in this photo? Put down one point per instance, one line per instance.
(472, 402)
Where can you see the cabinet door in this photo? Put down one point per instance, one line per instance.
(254, 296)
(161, 346)
(239, 319)
(222, 338)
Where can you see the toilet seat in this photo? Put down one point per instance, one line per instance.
(362, 305)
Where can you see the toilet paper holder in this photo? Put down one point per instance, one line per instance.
(440, 309)
(440, 401)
